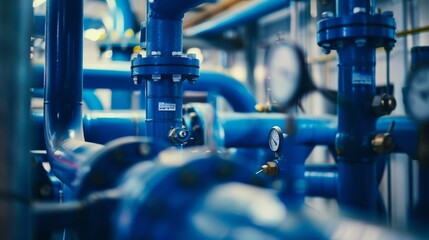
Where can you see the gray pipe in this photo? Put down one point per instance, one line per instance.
(15, 165)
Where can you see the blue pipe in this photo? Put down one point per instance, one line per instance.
(238, 95)
(119, 124)
(355, 33)
(356, 124)
(164, 69)
(65, 143)
(244, 15)
(321, 180)
(122, 14)
(251, 129)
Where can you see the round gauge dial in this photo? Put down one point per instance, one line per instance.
(275, 139)
(286, 74)
(416, 94)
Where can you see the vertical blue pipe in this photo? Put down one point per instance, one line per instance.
(64, 139)
(15, 162)
(357, 185)
(164, 35)
(164, 96)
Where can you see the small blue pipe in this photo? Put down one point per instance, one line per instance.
(65, 143)
(247, 14)
(123, 16)
(236, 93)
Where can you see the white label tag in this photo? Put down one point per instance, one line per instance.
(361, 78)
(162, 106)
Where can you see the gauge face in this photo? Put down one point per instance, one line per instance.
(284, 73)
(416, 96)
(275, 138)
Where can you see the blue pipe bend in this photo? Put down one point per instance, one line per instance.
(64, 139)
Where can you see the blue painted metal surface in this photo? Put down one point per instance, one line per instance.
(200, 203)
(98, 126)
(65, 143)
(123, 16)
(355, 33)
(238, 95)
(39, 24)
(164, 69)
(251, 129)
(321, 181)
(419, 56)
(240, 17)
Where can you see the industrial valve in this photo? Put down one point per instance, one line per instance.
(270, 168)
(179, 136)
(383, 104)
(383, 142)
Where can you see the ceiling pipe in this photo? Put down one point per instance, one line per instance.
(237, 17)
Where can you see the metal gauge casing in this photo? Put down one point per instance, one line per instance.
(275, 139)
(416, 94)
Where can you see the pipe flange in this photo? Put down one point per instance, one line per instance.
(173, 68)
(375, 30)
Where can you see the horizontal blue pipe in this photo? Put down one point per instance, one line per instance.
(251, 129)
(238, 95)
(99, 126)
(239, 17)
(247, 130)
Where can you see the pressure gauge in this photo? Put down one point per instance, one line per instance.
(275, 139)
(416, 94)
(287, 74)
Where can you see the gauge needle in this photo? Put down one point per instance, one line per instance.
(274, 141)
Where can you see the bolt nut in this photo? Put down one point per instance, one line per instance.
(155, 53)
(176, 77)
(327, 14)
(359, 10)
(137, 80)
(176, 53)
(360, 42)
(156, 77)
(192, 56)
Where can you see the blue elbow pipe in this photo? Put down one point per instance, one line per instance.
(65, 143)
(238, 95)
(247, 14)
